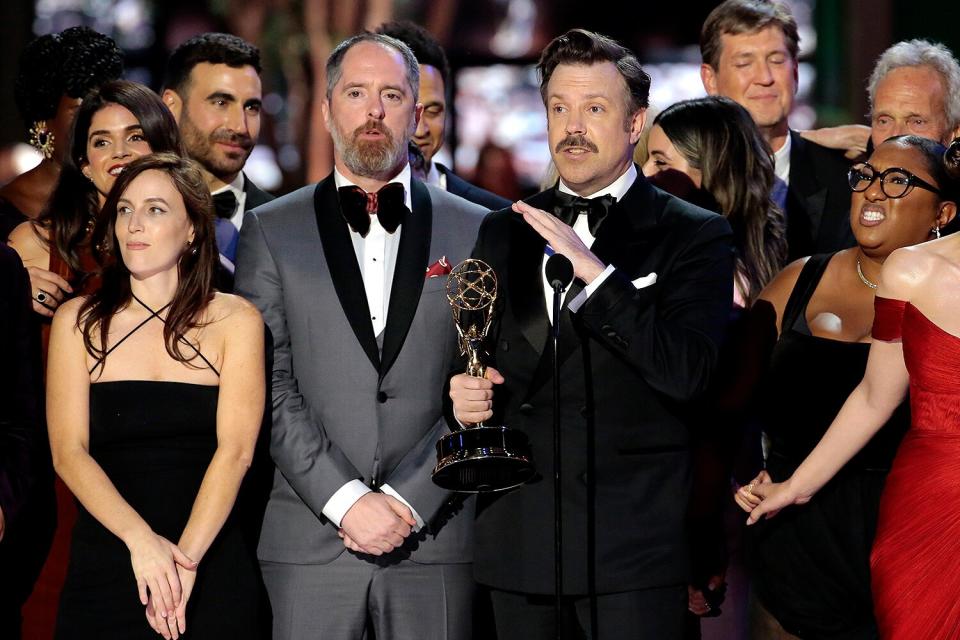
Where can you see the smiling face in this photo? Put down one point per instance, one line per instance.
(590, 133)
(371, 113)
(882, 224)
(152, 226)
(910, 100)
(757, 71)
(219, 117)
(429, 133)
(114, 140)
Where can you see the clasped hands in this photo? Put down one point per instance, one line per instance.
(376, 524)
(764, 497)
(165, 577)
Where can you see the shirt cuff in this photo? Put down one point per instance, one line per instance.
(575, 304)
(341, 501)
(387, 489)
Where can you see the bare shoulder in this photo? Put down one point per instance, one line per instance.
(233, 311)
(27, 239)
(909, 269)
(778, 290)
(65, 319)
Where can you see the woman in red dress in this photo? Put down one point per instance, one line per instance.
(915, 562)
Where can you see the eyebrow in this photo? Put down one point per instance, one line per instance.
(150, 199)
(104, 132)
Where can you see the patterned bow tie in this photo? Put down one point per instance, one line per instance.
(567, 208)
(387, 204)
(225, 204)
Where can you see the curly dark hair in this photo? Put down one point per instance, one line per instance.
(71, 63)
(424, 46)
(213, 48)
(951, 159)
(74, 199)
(196, 268)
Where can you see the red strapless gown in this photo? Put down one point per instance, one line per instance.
(915, 562)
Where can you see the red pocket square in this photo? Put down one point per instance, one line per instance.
(439, 268)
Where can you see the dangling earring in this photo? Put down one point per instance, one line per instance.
(42, 138)
(936, 232)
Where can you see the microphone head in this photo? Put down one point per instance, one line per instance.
(559, 271)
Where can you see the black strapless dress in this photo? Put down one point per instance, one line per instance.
(810, 565)
(155, 441)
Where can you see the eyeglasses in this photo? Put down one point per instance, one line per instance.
(894, 182)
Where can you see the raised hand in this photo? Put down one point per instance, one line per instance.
(473, 397)
(564, 241)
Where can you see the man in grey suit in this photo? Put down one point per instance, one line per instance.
(349, 275)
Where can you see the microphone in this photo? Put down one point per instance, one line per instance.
(559, 271)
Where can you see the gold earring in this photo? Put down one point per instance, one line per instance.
(42, 138)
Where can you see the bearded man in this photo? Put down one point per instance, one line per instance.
(348, 275)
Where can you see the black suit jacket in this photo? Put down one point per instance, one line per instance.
(818, 201)
(631, 358)
(255, 195)
(460, 187)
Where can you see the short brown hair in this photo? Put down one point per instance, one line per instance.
(734, 17)
(579, 46)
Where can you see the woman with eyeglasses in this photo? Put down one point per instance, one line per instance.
(811, 566)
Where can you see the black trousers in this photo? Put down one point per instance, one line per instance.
(654, 614)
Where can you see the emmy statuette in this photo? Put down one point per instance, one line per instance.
(479, 458)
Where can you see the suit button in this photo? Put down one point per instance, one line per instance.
(526, 408)
(381, 396)
(504, 345)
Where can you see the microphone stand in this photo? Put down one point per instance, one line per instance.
(558, 288)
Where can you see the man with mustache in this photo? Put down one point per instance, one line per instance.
(350, 277)
(212, 86)
(640, 329)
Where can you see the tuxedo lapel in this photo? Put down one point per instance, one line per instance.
(408, 274)
(526, 277)
(344, 270)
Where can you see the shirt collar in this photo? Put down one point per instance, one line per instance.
(781, 158)
(403, 178)
(236, 186)
(618, 188)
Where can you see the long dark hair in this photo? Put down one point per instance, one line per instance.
(196, 268)
(74, 201)
(717, 136)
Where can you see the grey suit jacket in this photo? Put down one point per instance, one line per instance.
(342, 409)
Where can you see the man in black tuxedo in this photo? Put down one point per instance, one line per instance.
(640, 329)
(749, 50)
(212, 86)
(429, 135)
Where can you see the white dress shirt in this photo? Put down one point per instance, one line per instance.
(436, 178)
(377, 257)
(618, 188)
(781, 160)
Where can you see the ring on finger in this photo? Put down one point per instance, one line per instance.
(42, 296)
(749, 487)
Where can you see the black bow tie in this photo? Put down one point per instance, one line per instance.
(387, 204)
(225, 204)
(567, 208)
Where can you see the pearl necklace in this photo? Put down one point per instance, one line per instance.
(863, 278)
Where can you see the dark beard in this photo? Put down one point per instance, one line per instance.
(200, 147)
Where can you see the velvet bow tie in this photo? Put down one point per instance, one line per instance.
(225, 204)
(567, 208)
(387, 204)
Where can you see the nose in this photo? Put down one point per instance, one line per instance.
(764, 75)
(120, 150)
(423, 129)
(375, 107)
(237, 120)
(574, 124)
(134, 222)
(874, 192)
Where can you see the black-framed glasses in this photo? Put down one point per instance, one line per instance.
(894, 182)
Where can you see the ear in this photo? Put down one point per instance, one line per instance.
(708, 76)
(173, 101)
(85, 170)
(637, 122)
(191, 234)
(325, 111)
(947, 212)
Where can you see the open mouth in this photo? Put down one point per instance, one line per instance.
(116, 169)
(872, 215)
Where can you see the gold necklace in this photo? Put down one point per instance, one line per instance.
(863, 278)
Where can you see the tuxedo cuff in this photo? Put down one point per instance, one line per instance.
(387, 489)
(344, 498)
(575, 304)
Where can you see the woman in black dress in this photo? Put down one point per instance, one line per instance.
(810, 566)
(155, 397)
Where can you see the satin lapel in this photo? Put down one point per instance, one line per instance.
(408, 274)
(805, 188)
(344, 270)
(526, 277)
